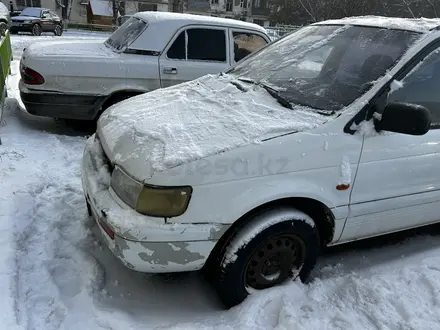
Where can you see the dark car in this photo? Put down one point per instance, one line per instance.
(37, 20)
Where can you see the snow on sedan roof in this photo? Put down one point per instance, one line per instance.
(162, 27)
(411, 24)
(180, 19)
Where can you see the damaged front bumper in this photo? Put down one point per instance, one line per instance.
(142, 243)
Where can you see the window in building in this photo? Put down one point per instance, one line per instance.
(147, 6)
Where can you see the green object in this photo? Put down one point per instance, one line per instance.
(5, 61)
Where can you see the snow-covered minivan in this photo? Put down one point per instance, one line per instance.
(326, 136)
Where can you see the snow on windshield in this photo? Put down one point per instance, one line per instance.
(32, 12)
(126, 34)
(327, 67)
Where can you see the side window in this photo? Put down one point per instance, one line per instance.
(45, 14)
(54, 15)
(206, 45)
(420, 86)
(200, 45)
(177, 49)
(245, 44)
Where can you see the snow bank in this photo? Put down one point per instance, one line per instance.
(173, 126)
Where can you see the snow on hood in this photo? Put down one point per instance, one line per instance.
(180, 124)
(79, 48)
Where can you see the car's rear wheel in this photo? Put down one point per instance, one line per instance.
(58, 31)
(270, 249)
(36, 30)
(86, 126)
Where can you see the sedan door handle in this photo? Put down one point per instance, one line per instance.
(170, 70)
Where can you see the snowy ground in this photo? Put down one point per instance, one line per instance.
(54, 273)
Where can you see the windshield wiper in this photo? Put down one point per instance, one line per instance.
(272, 91)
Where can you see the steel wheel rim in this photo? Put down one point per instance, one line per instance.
(58, 30)
(275, 261)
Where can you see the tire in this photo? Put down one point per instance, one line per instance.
(281, 244)
(3, 28)
(36, 30)
(58, 31)
(13, 31)
(85, 126)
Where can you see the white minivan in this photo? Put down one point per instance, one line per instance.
(325, 136)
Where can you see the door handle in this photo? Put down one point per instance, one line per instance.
(170, 70)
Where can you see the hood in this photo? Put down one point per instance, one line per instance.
(23, 18)
(169, 127)
(80, 48)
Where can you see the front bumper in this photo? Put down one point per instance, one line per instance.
(163, 248)
(60, 105)
(21, 27)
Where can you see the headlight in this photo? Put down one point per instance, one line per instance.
(150, 200)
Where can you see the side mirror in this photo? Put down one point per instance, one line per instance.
(405, 118)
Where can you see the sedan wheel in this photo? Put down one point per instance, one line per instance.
(36, 30)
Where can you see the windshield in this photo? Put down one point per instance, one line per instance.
(326, 67)
(126, 34)
(32, 12)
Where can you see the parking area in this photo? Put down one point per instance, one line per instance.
(59, 275)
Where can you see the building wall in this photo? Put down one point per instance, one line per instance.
(78, 13)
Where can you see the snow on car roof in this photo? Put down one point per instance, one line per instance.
(162, 27)
(180, 19)
(411, 24)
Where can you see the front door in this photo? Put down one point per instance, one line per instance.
(47, 23)
(398, 180)
(194, 52)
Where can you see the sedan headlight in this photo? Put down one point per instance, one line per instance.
(150, 200)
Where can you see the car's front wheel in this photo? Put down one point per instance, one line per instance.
(58, 31)
(3, 28)
(36, 30)
(274, 246)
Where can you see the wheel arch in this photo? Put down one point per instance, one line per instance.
(118, 96)
(318, 211)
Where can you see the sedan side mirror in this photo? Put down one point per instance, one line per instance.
(405, 118)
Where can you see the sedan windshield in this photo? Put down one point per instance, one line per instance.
(325, 67)
(126, 34)
(31, 12)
